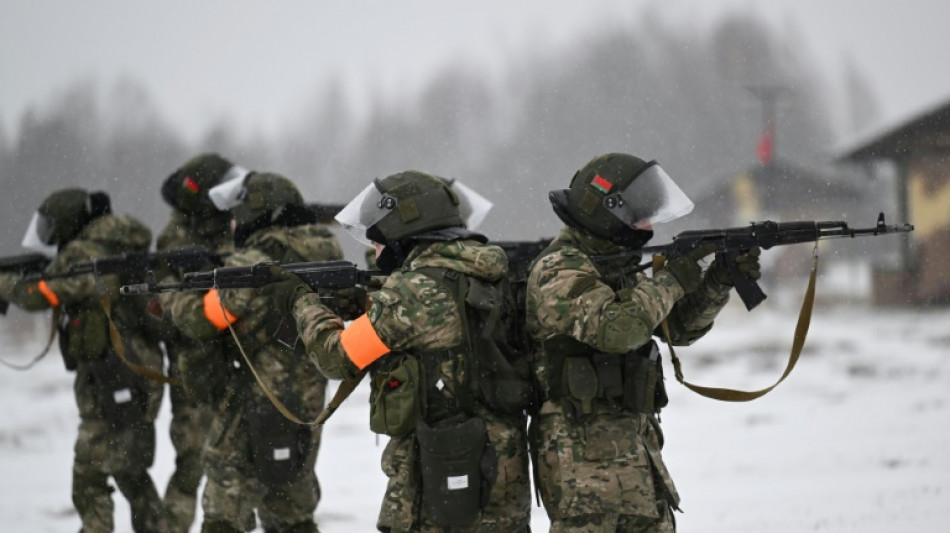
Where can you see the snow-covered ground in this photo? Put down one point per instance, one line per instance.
(856, 439)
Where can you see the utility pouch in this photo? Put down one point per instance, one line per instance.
(458, 467)
(580, 381)
(69, 358)
(395, 404)
(122, 395)
(641, 380)
(279, 447)
(609, 375)
(84, 334)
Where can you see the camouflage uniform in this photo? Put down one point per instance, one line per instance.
(105, 446)
(600, 465)
(193, 364)
(235, 487)
(413, 313)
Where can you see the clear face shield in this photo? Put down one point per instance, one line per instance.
(651, 198)
(473, 207)
(230, 192)
(365, 210)
(38, 235)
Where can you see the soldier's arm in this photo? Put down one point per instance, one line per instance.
(693, 316)
(572, 300)
(44, 294)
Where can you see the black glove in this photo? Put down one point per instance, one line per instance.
(285, 292)
(686, 269)
(349, 303)
(747, 263)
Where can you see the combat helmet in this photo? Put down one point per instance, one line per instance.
(619, 197)
(62, 215)
(258, 200)
(397, 209)
(187, 188)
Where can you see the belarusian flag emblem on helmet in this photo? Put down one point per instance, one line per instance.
(191, 185)
(601, 184)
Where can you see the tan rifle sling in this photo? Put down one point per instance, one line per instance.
(798, 342)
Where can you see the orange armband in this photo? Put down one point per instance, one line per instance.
(48, 293)
(361, 343)
(215, 311)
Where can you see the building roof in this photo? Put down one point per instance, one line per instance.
(894, 140)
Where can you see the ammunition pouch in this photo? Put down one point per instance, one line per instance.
(83, 334)
(279, 447)
(459, 468)
(581, 379)
(395, 403)
(121, 394)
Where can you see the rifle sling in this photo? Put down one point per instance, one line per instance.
(119, 346)
(273, 397)
(49, 344)
(798, 342)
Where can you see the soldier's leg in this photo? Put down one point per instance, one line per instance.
(144, 502)
(188, 428)
(227, 502)
(666, 523)
(592, 523)
(290, 509)
(91, 492)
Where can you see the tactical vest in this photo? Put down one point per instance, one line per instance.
(448, 384)
(584, 381)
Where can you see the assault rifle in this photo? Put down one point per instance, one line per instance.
(185, 259)
(319, 275)
(734, 241)
(22, 264)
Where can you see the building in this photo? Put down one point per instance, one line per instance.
(916, 154)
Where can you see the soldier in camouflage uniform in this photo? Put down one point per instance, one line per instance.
(414, 341)
(254, 458)
(591, 319)
(117, 407)
(194, 222)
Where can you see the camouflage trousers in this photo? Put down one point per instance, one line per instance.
(232, 493)
(125, 455)
(604, 474)
(189, 426)
(509, 505)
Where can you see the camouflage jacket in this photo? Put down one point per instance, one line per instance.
(83, 333)
(255, 322)
(411, 312)
(568, 294)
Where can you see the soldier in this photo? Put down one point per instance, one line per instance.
(454, 461)
(255, 458)
(194, 221)
(117, 407)
(591, 318)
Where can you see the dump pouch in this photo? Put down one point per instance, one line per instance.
(279, 447)
(121, 394)
(395, 403)
(458, 467)
(83, 334)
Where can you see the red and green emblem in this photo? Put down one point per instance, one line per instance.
(601, 184)
(191, 185)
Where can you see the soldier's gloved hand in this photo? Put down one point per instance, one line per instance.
(747, 263)
(686, 269)
(349, 303)
(285, 292)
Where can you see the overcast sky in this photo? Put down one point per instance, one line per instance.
(258, 61)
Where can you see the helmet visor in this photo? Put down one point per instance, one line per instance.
(230, 192)
(39, 235)
(473, 207)
(652, 197)
(368, 208)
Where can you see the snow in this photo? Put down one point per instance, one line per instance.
(854, 440)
